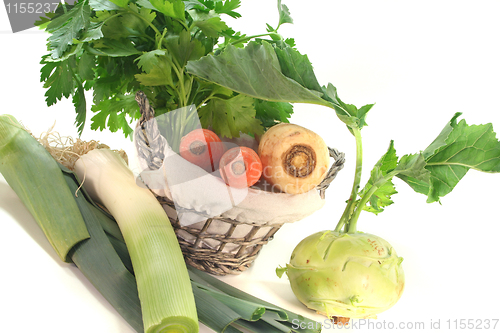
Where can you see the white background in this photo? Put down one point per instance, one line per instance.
(419, 61)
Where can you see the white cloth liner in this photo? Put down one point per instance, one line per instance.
(206, 195)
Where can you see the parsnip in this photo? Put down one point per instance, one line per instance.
(294, 159)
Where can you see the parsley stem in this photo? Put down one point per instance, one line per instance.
(160, 42)
(246, 39)
(112, 16)
(351, 204)
(144, 19)
(209, 97)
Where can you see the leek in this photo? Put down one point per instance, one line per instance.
(163, 284)
(30, 170)
(99, 260)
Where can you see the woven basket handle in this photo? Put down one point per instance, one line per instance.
(334, 170)
(150, 143)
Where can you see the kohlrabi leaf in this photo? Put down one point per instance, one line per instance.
(284, 14)
(254, 71)
(413, 166)
(381, 197)
(380, 186)
(297, 67)
(440, 140)
(458, 148)
(348, 113)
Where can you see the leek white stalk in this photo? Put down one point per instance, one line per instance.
(163, 283)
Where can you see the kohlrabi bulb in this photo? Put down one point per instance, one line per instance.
(345, 275)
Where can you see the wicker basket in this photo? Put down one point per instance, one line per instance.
(232, 250)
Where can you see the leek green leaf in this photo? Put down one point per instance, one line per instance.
(36, 178)
(212, 312)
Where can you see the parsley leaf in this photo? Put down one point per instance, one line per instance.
(272, 113)
(111, 113)
(67, 27)
(158, 73)
(228, 7)
(117, 47)
(169, 8)
(58, 78)
(230, 116)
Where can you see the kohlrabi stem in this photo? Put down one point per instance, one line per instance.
(351, 204)
(364, 199)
